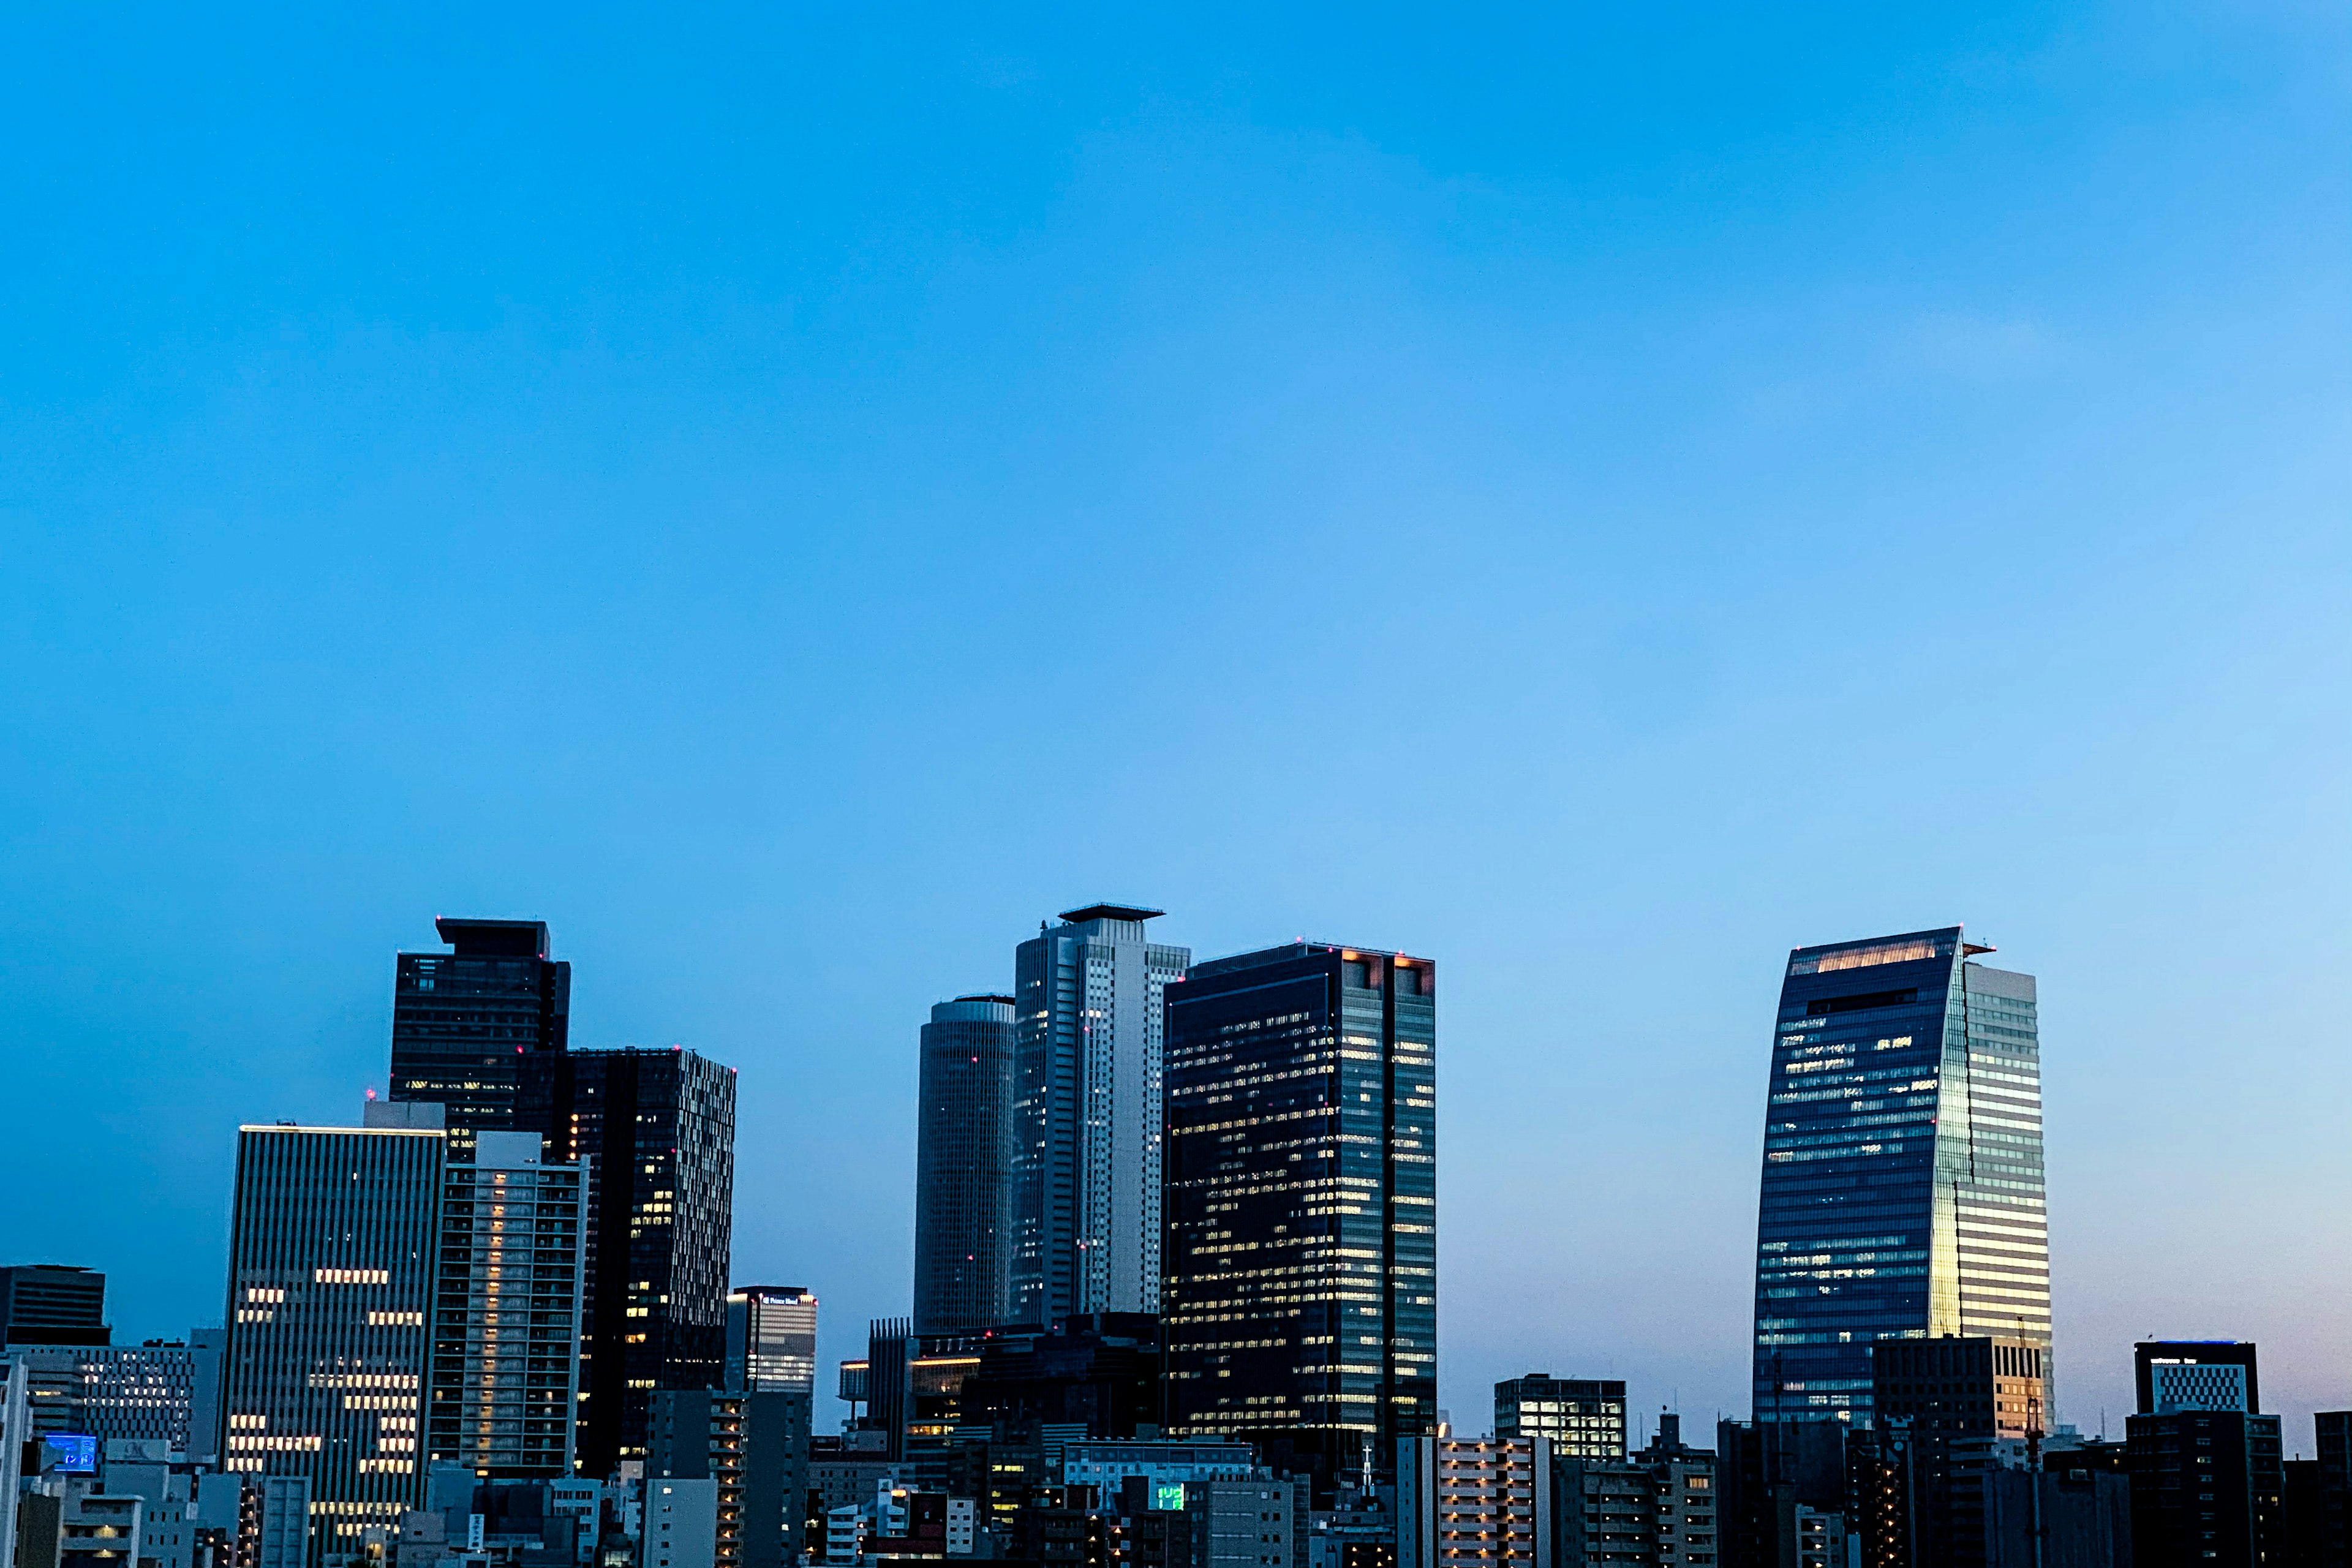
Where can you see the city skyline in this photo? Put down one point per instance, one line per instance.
(761, 528)
(1600, 496)
(1840, 958)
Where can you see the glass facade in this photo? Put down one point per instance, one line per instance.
(1086, 1175)
(462, 1021)
(963, 1156)
(1903, 1193)
(654, 1135)
(1299, 1296)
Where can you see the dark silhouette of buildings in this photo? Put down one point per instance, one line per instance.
(653, 1132)
(51, 1304)
(463, 1021)
(2207, 1481)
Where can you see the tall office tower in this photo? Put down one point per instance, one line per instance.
(963, 1156)
(49, 1304)
(1902, 1190)
(1085, 1114)
(1299, 1301)
(772, 1338)
(2207, 1476)
(333, 1243)
(1583, 1416)
(654, 1135)
(506, 1326)
(463, 1021)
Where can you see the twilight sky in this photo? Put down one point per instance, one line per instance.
(1595, 495)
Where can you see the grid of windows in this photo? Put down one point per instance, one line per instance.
(506, 1326)
(332, 1252)
(1583, 1417)
(1299, 1296)
(1085, 1173)
(654, 1135)
(1902, 1192)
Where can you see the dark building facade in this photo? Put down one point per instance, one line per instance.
(654, 1134)
(52, 1304)
(1901, 1193)
(2208, 1479)
(963, 1166)
(1100, 1370)
(1095, 1374)
(698, 1435)
(463, 1022)
(1952, 1414)
(2334, 1431)
(1770, 1474)
(1298, 1293)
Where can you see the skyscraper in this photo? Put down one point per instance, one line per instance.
(506, 1325)
(1299, 1301)
(654, 1134)
(462, 1022)
(333, 1245)
(1902, 1192)
(1086, 1167)
(964, 1155)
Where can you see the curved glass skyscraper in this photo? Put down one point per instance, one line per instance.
(1903, 1193)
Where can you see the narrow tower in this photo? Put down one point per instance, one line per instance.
(654, 1135)
(963, 1154)
(1085, 1168)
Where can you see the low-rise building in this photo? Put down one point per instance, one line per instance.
(1467, 1503)
(1660, 1506)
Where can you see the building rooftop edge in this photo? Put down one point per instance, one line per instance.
(1110, 912)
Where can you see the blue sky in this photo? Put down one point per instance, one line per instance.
(792, 497)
